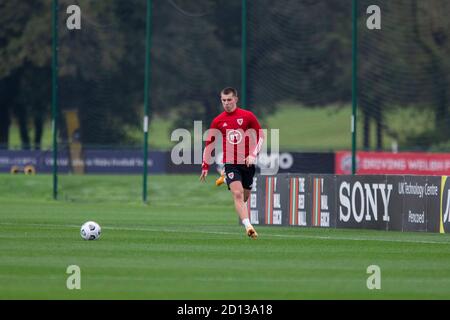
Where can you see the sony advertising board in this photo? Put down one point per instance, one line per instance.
(363, 202)
(433, 203)
(414, 215)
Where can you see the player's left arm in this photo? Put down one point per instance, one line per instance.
(209, 145)
(254, 124)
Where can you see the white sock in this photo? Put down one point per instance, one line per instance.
(246, 223)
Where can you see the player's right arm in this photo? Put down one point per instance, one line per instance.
(254, 124)
(209, 145)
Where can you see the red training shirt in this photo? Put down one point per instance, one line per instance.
(241, 136)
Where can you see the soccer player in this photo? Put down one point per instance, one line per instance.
(242, 139)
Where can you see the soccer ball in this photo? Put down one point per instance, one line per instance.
(90, 230)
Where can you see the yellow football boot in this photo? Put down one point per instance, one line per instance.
(251, 232)
(221, 179)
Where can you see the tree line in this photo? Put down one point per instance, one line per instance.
(297, 51)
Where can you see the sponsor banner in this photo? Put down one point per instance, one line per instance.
(299, 200)
(298, 162)
(94, 161)
(188, 168)
(403, 163)
(284, 192)
(445, 205)
(323, 202)
(385, 202)
(255, 202)
(288, 162)
(41, 160)
(412, 191)
(123, 161)
(363, 202)
(276, 199)
(396, 203)
(433, 203)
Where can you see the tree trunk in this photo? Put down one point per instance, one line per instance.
(379, 125)
(440, 88)
(439, 75)
(8, 94)
(21, 115)
(4, 125)
(38, 130)
(366, 130)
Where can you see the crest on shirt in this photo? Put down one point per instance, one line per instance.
(240, 121)
(224, 125)
(231, 175)
(234, 136)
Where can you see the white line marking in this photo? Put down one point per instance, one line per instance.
(294, 236)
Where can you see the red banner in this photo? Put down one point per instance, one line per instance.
(393, 163)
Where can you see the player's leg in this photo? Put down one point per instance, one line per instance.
(247, 174)
(241, 207)
(237, 191)
(246, 194)
(234, 181)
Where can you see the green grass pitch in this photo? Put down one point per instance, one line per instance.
(186, 244)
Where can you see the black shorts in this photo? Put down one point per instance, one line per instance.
(240, 172)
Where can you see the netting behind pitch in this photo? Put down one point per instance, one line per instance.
(101, 94)
(403, 77)
(299, 58)
(195, 53)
